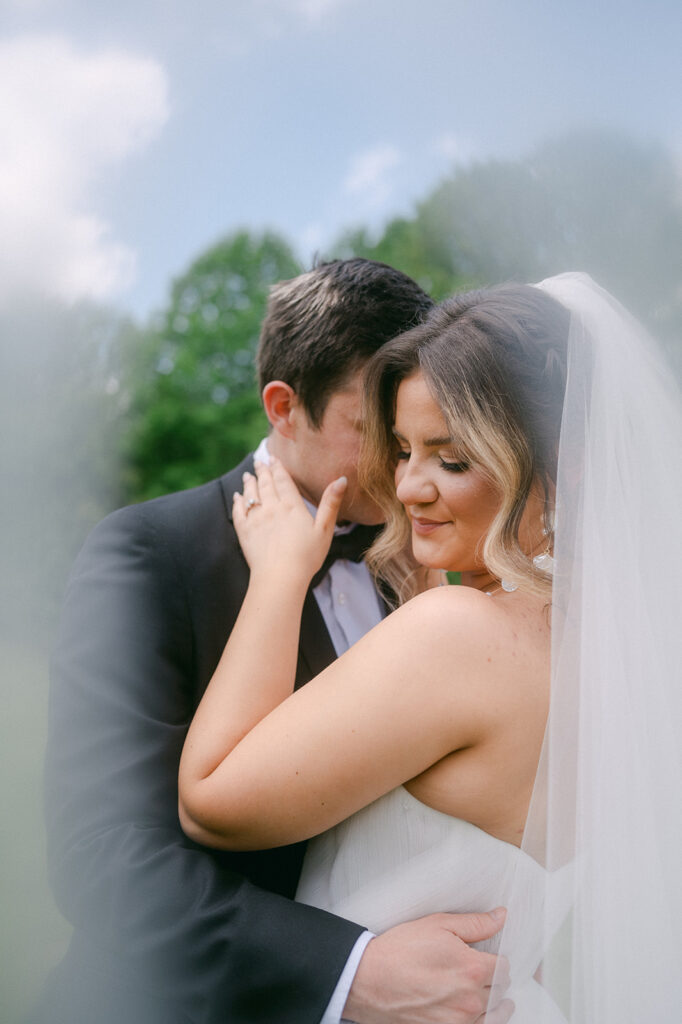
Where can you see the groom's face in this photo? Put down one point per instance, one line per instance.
(321, 454)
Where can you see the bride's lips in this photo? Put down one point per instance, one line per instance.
(425, 526)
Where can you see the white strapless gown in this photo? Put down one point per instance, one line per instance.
(399, 859)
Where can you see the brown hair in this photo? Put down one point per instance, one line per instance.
(322, 326)
(495, 362)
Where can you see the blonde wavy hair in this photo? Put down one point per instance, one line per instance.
(495, 362)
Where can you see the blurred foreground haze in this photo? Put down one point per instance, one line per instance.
(218, 146)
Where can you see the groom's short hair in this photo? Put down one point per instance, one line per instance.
(322, 326)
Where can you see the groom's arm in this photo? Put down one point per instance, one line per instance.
(425, 972)
(167, 916)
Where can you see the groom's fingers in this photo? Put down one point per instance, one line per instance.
(499, 988)
(500, 1015)
(475, 927)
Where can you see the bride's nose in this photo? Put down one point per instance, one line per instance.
(413, 485)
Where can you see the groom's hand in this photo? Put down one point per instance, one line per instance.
(423, 972)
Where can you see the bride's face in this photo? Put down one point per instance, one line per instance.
(450, 504)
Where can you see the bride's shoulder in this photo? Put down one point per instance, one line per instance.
(451, 600)
(471, 621)
(449, 615)
(452, 635)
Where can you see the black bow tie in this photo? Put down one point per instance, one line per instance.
(351, 545)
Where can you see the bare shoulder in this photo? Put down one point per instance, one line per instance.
(458, 633)
(449, 615)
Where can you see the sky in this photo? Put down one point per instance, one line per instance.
(133, 135)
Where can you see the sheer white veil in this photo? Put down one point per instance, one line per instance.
(606, 814)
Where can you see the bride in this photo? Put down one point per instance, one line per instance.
(525, 438)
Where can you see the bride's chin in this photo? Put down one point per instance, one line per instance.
(428, 559)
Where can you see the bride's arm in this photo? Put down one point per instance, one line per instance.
(261, 770)
(284, 547)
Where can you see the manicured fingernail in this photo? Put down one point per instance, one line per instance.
(498, 914)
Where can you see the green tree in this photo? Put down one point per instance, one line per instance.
(616, 213)
(488, 222)
(195, 408)
(594, 201)
(410, 246)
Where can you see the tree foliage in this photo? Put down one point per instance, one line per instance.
(616, 213)
(195, 408)
(410, 246)
(594, 201)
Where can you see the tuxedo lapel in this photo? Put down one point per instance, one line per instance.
(232, 482)
(315, 649)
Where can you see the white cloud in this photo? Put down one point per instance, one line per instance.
(369, 173)
(66, 116)
(455, 148)
(382, 182)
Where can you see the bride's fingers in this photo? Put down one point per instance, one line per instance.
(330, 502)
(267, 489)
(286, 488)
(239, 509)
(251, 492)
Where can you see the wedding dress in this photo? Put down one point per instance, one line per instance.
(399, 859)
(605, 820)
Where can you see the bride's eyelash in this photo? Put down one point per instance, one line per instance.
(454, 467)
(451, 467)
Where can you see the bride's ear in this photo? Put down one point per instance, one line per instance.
(281, 403)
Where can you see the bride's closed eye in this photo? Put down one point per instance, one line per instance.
(454, 467)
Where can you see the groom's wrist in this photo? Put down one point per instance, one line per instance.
(335, 1009)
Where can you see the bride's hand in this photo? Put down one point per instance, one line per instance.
(276, 530)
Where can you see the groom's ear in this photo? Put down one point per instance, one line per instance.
(281, 407)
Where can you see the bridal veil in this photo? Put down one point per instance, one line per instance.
(606, 814)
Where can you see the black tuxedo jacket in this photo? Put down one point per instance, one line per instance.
(165, 930)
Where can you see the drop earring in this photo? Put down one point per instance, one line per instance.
(545, 561)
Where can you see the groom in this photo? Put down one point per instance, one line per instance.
(165, 931)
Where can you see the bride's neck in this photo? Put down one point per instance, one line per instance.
(479, 580)
(483, 580)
